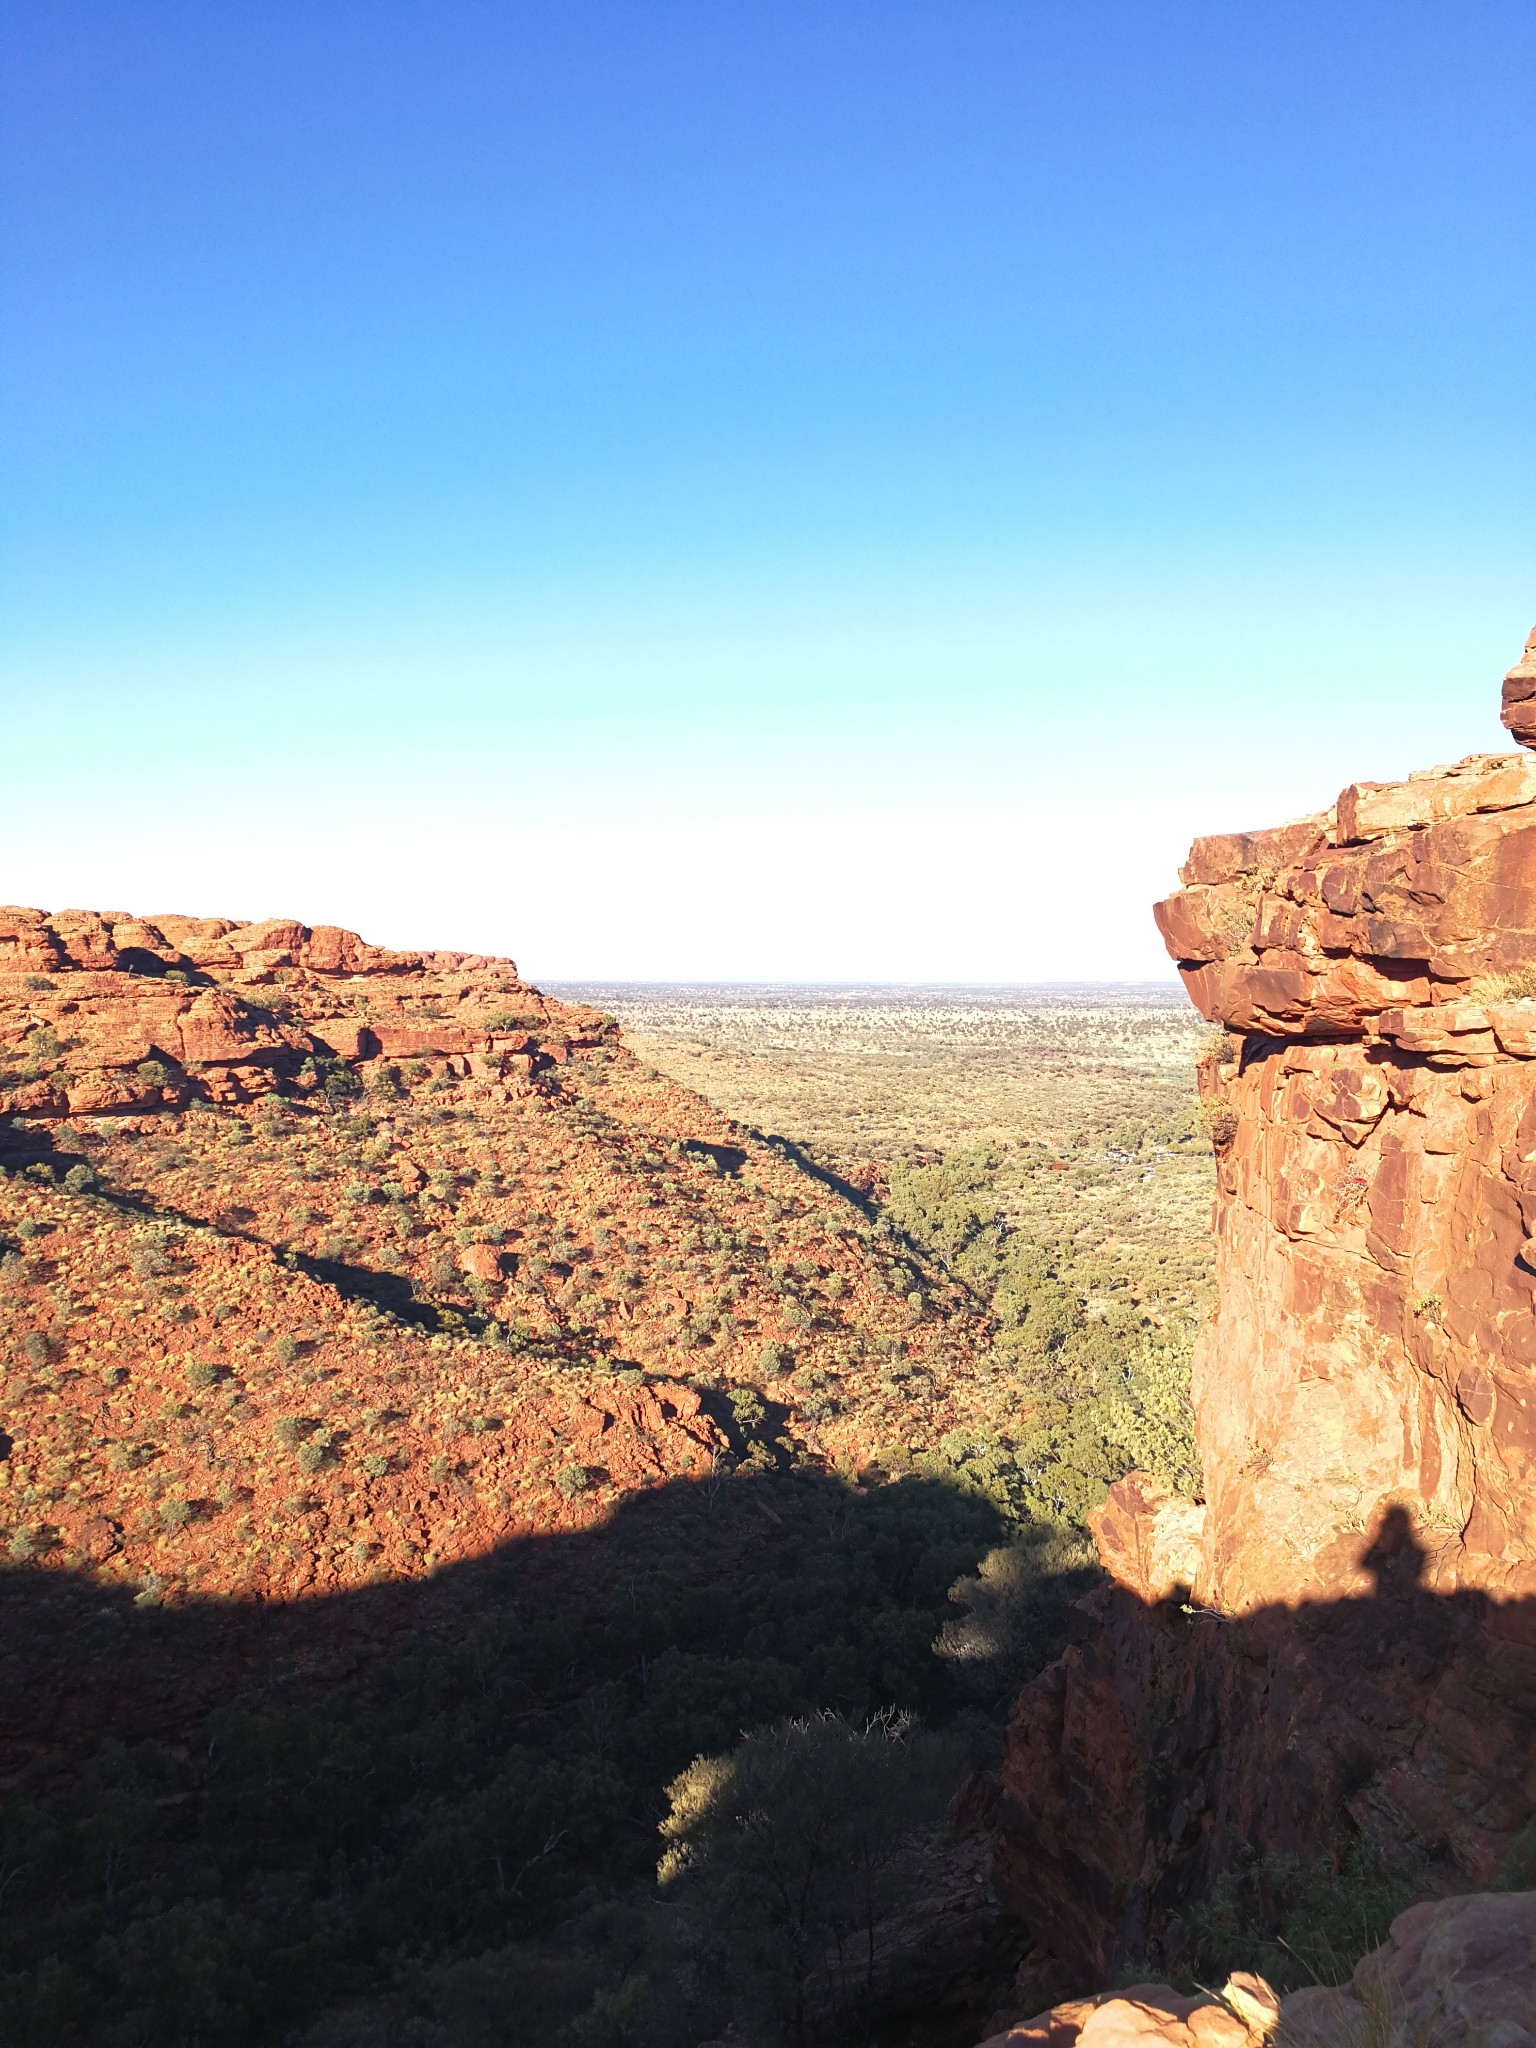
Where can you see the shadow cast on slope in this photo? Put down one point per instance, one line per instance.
(423, 1814)
(224, 1820)
(833, 1182)
(391, 1293)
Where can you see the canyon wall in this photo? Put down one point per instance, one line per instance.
(1341, 1638)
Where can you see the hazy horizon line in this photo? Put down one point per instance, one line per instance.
(1170, 987)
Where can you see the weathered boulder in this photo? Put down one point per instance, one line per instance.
(1243, 2014)
(480, 1262)
(1455, 1973)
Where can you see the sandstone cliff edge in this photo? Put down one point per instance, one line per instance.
(1338, 1643)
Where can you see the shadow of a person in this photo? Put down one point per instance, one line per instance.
(1396, 1558)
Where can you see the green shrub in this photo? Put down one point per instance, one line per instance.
(746, 1406)
(1016, 1611)
(341, 1084)
(1302, 1922)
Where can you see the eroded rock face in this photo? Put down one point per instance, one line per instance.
(103, 1014)
(1347, 1627)
(1374, 1107)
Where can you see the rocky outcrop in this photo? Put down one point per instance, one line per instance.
(1456, 1973)
(103, 1014)
(1343, 1634)
(1243, 2014)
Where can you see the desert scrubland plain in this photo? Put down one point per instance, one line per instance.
(1086, 1094)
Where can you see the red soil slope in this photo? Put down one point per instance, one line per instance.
(323, 1263)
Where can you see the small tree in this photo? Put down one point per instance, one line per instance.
(793, 1849)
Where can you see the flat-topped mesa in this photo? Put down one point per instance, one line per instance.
(103, 1013)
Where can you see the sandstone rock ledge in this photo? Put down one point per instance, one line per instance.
(1341, 1639)
(1459, 1973)
(107, 1014)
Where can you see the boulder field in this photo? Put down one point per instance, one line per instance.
(1335, 1648)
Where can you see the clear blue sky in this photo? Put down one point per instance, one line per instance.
(795, 490)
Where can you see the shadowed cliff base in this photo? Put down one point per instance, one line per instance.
(425, 1814)
(1193, 1792)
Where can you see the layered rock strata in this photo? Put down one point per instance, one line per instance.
(106, 1014)
(1343, 1634)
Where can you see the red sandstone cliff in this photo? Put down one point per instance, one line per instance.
(1343, 1636)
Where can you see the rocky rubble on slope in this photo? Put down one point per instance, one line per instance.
(325, 1264)
(1338, 1646)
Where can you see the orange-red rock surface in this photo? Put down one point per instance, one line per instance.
(1343, 1635)
(1243, 2014)
(1454, 1973)
(324, 1264)
(1374, 1102)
